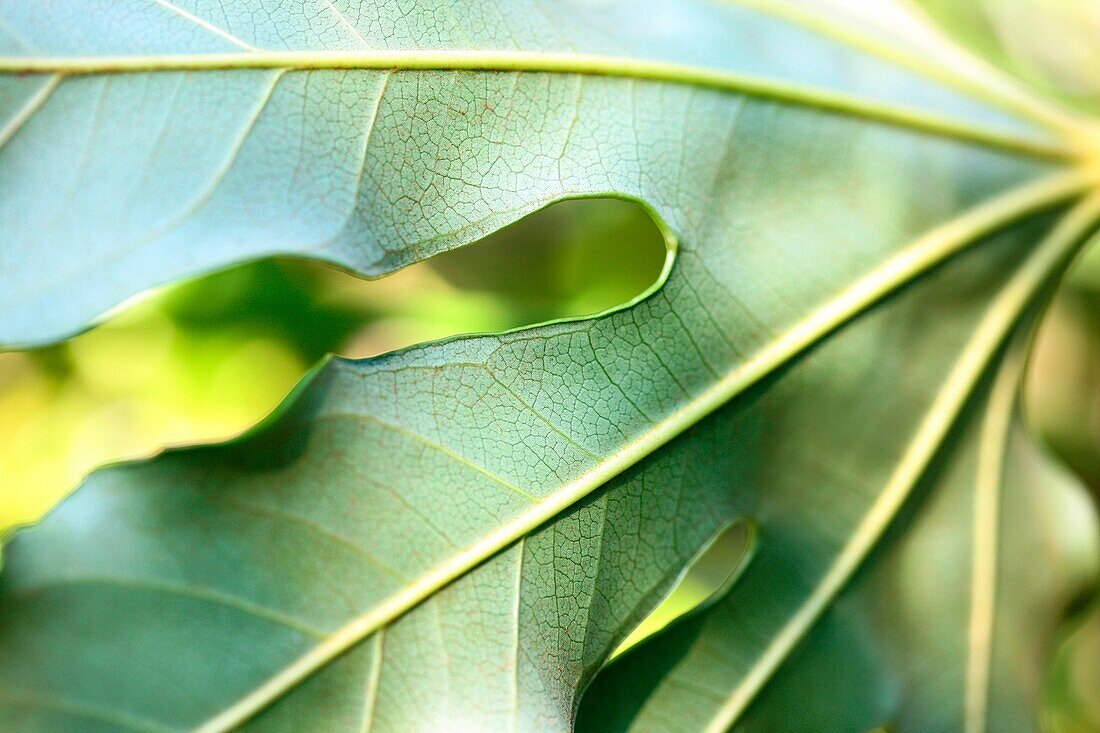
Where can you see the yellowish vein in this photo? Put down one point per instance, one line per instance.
(921, 255)
(559, 63)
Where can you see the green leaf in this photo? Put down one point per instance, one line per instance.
(949, 625)
(456, 536)
(184, 153)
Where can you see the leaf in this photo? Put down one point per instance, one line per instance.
(949, 625)
(175, 136)
(456, 536)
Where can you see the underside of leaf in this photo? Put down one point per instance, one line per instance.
(456, 536)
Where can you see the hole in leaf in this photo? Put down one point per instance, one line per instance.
(204, 360)
(576, 258)
(709, 576)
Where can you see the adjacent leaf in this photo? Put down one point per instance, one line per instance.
(1070, 689)
(949, 625)
(456, 536)
(1051, 44)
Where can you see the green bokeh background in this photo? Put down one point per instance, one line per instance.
(204, 360)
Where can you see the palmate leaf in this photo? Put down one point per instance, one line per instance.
(457, 536)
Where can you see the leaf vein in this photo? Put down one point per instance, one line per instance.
(561, 63)
(921, 255)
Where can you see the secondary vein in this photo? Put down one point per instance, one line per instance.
(33, 104)
(37, 700)
(974, 78)
(205, 25)
(987, 505)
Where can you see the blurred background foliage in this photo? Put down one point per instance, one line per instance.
(1062, 402)
(204, 360)
(1051, 44)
